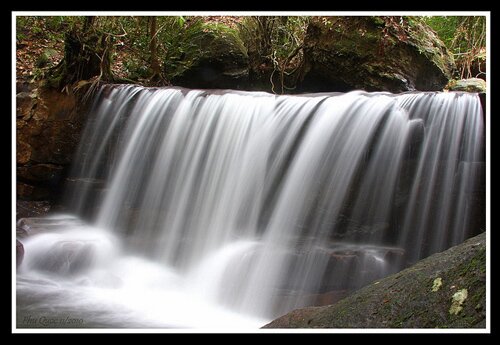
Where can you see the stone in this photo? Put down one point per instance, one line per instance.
(374, 54)
(24, 104)
(39, 224)
(19, 253)
(67, 257)
(467, 85)
(221, 64)
(405, 299)
(48, 173)
(26, 191)
(23, 152)
(26, 209)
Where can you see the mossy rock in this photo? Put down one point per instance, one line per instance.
(445, 290)
(374, 54)
(219, 61)
(468, 85)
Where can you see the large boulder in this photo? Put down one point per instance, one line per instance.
(394, 54)
(467, 85)
(220, 61)
(445, 290)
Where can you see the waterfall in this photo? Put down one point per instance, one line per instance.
(194, 208)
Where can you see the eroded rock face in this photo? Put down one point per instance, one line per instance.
(48, 126)
(421, 296)
(374, 54)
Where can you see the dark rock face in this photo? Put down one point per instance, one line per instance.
(48, 126)
(445, 290)
(223, 64)
(25, 209)
(374, 54)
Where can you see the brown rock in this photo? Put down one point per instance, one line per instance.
(25, 209)
(26, 191)
(40, 172)
(48, 129)
(24, 104)
(23, 152)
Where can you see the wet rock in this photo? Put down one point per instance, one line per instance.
(36, 225)
(19, 253)
(407, 300)
(67, 257)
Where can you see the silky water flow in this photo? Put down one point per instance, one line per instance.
(225, 209)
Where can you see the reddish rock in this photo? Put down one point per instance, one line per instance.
(23, 152)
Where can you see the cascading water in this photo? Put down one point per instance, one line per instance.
(226, 209)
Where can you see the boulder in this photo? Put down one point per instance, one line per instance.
(222, 63)
(394, 54)
(30, 226)
(19, 253)
(445, 290)
(467, 85)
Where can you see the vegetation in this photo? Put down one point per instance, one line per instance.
(154, 50)
(465, 36)
(275, 43)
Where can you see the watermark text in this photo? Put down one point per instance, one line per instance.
(51, 322)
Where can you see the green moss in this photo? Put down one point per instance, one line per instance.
(228, 35)
(478, 262)
(202, 42)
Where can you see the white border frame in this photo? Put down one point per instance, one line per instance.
(15, 14)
